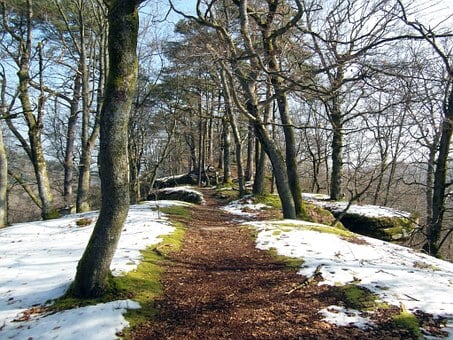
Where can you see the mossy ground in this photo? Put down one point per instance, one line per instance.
(357, 297)
(270, 200)
(408, 321)
(337, 230)
(290, 262)
(227, 192)
(142, 284)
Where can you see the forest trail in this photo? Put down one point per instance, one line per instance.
(219, 286)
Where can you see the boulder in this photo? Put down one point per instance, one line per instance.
(383, 223)
(178, 194)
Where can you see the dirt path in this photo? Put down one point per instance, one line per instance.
(219, 286)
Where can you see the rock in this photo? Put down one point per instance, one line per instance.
(178, 194)
(375, 221)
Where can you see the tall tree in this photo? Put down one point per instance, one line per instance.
(91, 279)
(273, 32)
(343, 34)
(440, 184)
(19, 25)
(3, 159)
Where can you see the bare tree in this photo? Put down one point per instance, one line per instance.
(440, 185)
(3, 158)
(22, 38)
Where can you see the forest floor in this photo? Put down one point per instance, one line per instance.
(220, 286)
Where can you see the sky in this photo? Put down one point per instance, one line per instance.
(38, 262)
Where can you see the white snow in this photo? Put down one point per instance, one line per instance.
(183, 188)
(342, 316)
(243, 207)
(38, 262)
(364, 210)
(398, 275)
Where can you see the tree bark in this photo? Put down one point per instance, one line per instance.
(94, 267)
(226, 141)
(259, 187)
(70, 140)
(3, 158)
(282, 103)
(337, 157)
(440, 180)
(250, 153)
(236, 134)
(34, 124)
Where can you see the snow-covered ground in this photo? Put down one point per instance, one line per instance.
(244, 207)
(398, 275)
(38, 262)
(364, 210)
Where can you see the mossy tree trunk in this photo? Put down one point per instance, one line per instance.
(94, 267)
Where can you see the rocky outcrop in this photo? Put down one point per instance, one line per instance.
(370, 220)
(177, 194)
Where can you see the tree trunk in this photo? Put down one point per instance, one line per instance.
(270, 49)
(278, 165)
(3, 159)
(3, 184)
(48, 210)
(337, 156)
(70, 140)
(260, 170)
(259, 186)
(430, 181)
(88, 141)
(248, 82)
(94, 267)
(34, 123)
(236, 134)
(226, 142)
(250, 153)
(440, 180)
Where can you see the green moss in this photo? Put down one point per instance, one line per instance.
(50, 215)
(357, 297)
(270, 200)
(319, 228)
(226, 191)
(181, 211)
(385, 228)
(290, 262)
(84, 222)
(408, 321)
(317, 214)
(144, 283)
(114, 291)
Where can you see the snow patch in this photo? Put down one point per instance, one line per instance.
(38, 262)
(342, 316)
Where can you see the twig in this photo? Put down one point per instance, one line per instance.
(316, 274)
